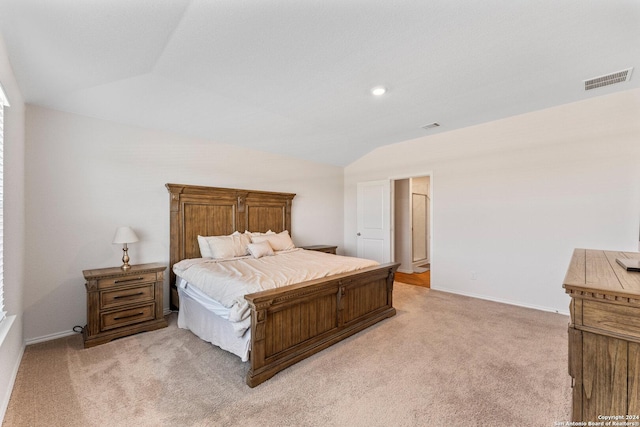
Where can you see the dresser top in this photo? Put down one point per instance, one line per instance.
(99, 273)
(596, 271)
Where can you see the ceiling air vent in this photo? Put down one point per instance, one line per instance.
(431, 126)
(609, 79)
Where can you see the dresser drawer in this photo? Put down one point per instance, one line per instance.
(129, 295)
(130, 316)
(126, 280)
(618, 319)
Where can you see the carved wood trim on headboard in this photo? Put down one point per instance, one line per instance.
(213, 211)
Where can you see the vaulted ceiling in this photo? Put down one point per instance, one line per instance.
(294, 77)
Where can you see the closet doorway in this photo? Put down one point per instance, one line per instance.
(412, 224)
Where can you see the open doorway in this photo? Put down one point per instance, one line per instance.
(412, 227)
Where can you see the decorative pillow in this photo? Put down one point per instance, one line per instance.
(258, 250)
(279, 242)
(224, 246)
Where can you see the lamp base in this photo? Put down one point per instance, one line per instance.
(125, 258)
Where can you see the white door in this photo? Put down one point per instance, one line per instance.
(374, 220)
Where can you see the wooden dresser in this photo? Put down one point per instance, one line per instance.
(123, 302)
(604, 336)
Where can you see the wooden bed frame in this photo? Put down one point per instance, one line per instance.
(291, 323)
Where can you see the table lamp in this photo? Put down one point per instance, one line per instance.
(125, 235)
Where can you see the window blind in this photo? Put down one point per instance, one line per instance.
(3, 103)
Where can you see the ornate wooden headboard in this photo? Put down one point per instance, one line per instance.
(212, 211)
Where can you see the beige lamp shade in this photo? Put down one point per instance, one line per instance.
(125, 235)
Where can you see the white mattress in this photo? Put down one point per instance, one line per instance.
(207, 319)
(207, 302)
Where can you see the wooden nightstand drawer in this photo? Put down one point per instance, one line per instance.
(116, 319)
(126, 280)
(119, 296)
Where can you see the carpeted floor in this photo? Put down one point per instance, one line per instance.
(443, 360)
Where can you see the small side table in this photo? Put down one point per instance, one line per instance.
(123, 302)
(321, 248)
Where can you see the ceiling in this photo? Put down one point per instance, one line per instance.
(294, 77)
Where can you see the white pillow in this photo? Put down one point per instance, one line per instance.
(279, 242)
(231, 246)
(258, 250)
(257, 233)
(205, 250)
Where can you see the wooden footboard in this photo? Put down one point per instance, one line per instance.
(294, 322)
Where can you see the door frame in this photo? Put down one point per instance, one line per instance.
(392, 213)
(413, 222)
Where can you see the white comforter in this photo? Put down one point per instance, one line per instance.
(229, 280)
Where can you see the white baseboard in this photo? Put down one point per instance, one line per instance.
(503, 301)
(405, 271)
(63, 334)
(49, 337)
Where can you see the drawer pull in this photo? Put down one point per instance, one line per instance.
(129, 280)
(128, 296)
(129, 316)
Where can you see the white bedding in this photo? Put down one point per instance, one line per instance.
(200, 315)
(228, 280)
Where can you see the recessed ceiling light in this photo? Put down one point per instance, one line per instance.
(378, 90)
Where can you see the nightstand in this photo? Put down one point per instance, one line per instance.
(123, 302)
(321, 248)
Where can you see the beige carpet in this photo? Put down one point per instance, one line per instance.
(443, 360)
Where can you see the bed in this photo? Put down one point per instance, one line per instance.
(287, 324)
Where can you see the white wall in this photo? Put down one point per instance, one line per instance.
(11, 342)
(514, 197)
(85, 177)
